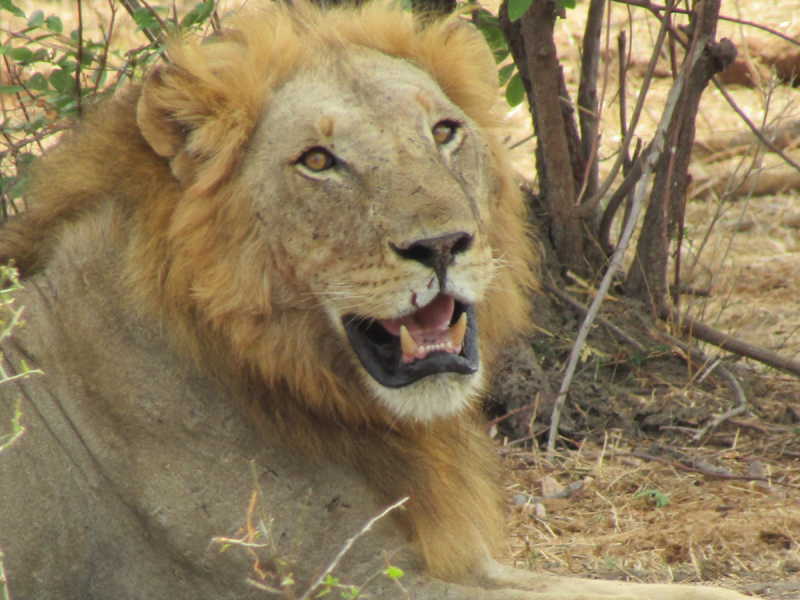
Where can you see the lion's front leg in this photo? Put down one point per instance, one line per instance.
(547, 587)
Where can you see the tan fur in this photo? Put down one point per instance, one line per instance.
(241, 288)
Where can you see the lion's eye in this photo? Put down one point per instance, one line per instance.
(317, 159)
(444, 132)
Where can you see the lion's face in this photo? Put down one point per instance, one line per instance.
(373, 189)
(343, 221)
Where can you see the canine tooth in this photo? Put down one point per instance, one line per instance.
(459, 330)
(407, 343)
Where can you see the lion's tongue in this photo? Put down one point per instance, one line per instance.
(428, 329)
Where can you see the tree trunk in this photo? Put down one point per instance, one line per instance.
(647, 279)
(559, 160)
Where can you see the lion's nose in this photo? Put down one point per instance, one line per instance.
(438, 253)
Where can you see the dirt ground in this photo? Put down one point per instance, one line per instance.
(648, 502)
(632, 494)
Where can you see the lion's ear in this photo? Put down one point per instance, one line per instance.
(157, 118)
(195, 121)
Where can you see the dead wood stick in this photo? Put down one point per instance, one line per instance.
(738, 346)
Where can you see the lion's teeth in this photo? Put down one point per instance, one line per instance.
(459, 330)
(407, 343)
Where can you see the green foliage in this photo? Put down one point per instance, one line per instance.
(54, 75)
(659, 498)
(10, 317)
(507, 74)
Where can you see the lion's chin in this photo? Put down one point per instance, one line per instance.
(438, 339)
(431, 398)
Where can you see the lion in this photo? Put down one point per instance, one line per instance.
(285, 262)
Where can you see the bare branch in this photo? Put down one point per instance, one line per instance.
(693, 328)
(657, 8)
(655, 154)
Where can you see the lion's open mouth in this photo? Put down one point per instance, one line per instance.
(441, 337)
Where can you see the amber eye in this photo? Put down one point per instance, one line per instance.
(317, 159)
(444, 132)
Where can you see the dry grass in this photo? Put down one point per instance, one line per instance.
(736, 533)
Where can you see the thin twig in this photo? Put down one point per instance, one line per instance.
(106, 43)
(527, 138)
(675, 93)
(656, 8)
(604, 322)
(733, 384)
(347, 545)
(637, 111)
(632, 174)
(762, 138)
(588, 111)
(33, 139)
(132, 6)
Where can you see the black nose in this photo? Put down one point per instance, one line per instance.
(438, 253)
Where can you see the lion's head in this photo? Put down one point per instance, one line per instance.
(323, 202)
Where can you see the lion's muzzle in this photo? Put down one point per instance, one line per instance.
(440, 337)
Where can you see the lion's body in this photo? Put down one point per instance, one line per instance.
(191, 283)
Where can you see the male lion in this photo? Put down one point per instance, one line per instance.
(297, 245)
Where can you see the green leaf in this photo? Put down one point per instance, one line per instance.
(515, 90)
(21, 54)
(350, 592)
(41, 55)
(11, 89)
(393, 572)
(60, 80)
(54, 24)
(144, 19)
(88, 57)
(199, 14)
(505, 73)
(483, 17)
(6, 50)
(657, 496)
(99, 77)
(500, 55)
(37, 19)
(17, 189)
(24, 159)
(37, 83)
(494, 35)
(567, 3)
(10, 7)
(517, 8)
